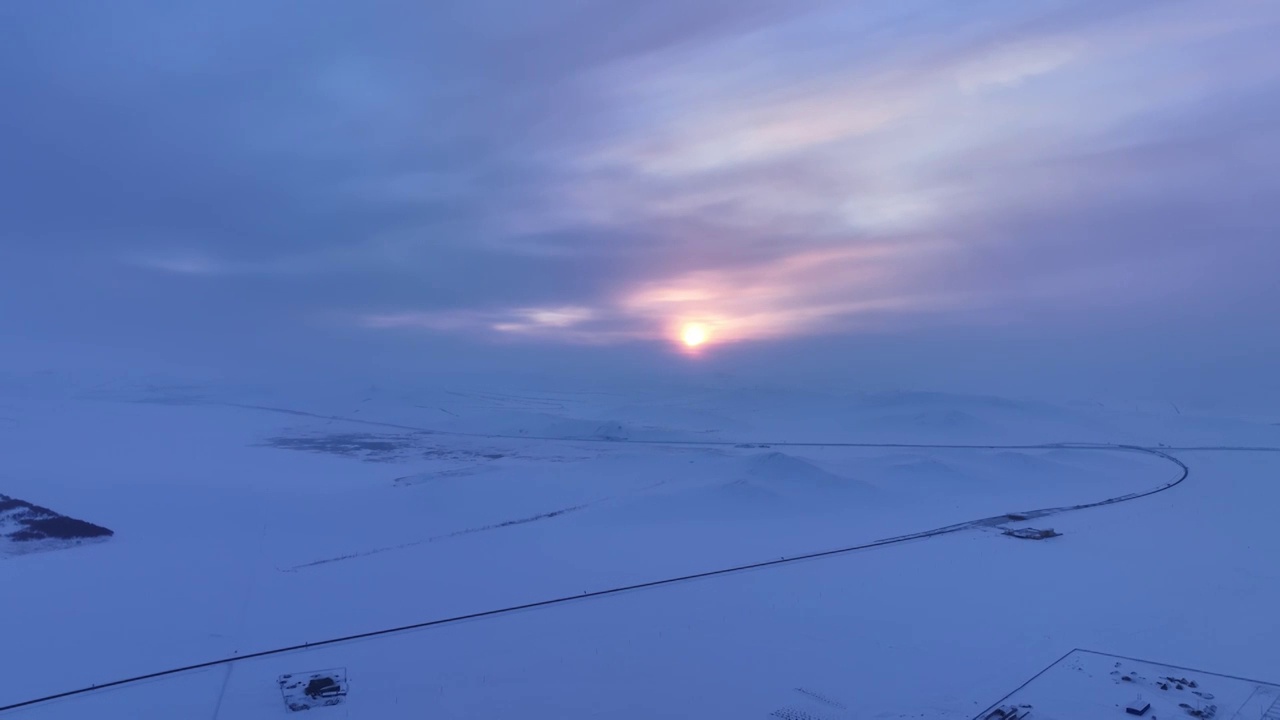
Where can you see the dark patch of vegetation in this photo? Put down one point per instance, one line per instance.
(60, 528)
(377, 448)
(444, 453)
(41, 523)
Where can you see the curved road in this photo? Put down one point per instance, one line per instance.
(1182, 472)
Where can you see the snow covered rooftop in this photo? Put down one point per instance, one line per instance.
(1086, 685)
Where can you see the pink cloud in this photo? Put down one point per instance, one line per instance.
(794, 294)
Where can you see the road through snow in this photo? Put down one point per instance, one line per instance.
(979, 523)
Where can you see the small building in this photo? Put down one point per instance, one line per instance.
(1138, 707)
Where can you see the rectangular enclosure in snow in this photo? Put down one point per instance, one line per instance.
(315, 688)
(1087, 685)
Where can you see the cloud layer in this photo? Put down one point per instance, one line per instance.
(567, 173)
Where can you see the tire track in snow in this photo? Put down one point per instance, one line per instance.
(468, 531)
(446, 536)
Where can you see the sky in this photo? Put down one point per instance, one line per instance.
(1008, 196)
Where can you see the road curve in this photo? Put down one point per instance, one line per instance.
(1182, 473)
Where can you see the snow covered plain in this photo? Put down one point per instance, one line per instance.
(250, 519)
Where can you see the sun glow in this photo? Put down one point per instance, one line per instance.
(693, 334)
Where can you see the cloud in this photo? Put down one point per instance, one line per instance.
(601, 172)
(790, 295)
(828, 193)
(201, 263)
(1011, 66)
(180, 264)
(532, 320)
(796, 294)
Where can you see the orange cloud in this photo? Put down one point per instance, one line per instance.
(796, 294)
(801, 293)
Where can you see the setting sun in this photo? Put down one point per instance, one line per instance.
(693, 334)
